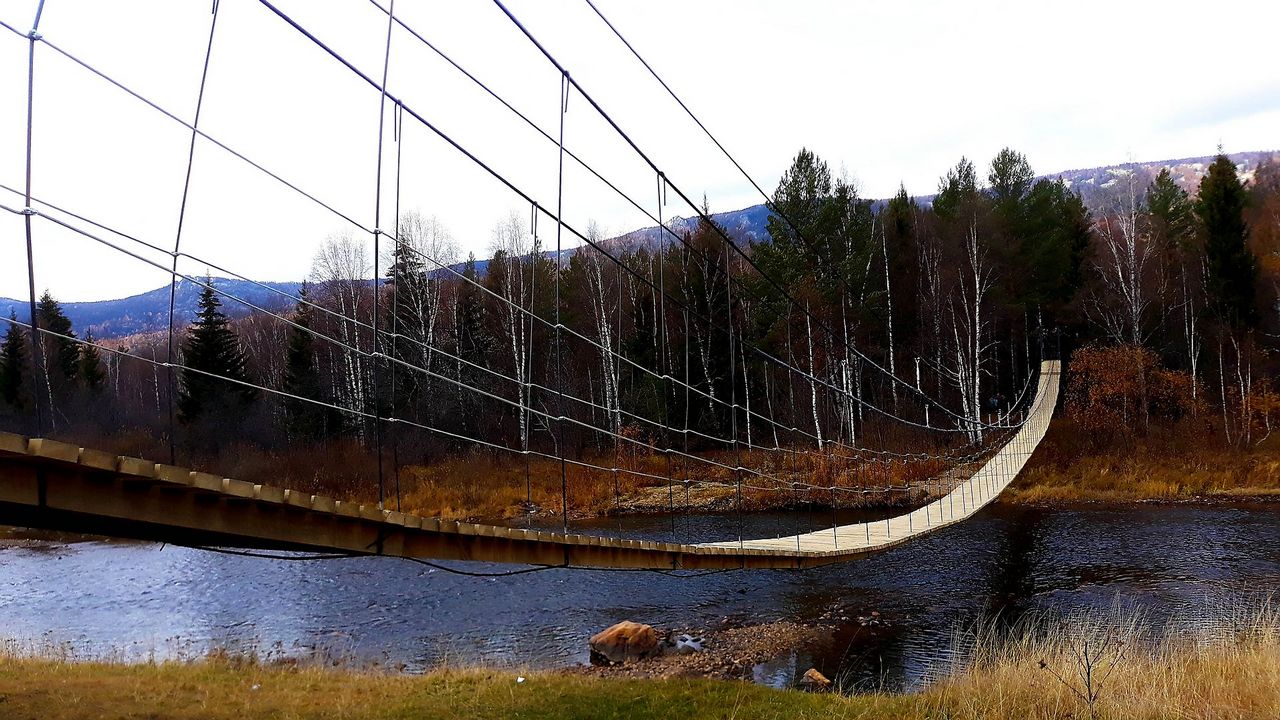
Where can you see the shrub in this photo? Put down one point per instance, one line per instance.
(1118, 391)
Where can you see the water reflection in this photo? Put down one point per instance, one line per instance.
(1008, 561)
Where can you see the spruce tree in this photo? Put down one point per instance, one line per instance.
(1232, 267)
(301, 378)
(407, 282)
(63, 352)
(1172, 210)
(471, 330)
(90, 366)
(210, 352)
(13, 364)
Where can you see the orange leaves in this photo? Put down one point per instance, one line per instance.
(1118, 391)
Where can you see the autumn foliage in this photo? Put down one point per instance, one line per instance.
(1124, 389)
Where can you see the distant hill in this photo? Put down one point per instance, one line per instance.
(149, 312)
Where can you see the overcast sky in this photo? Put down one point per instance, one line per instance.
(888, 92)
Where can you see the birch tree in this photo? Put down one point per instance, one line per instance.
(512, 272)
(340, 273)
(1125, 265)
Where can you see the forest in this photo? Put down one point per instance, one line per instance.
(867, 342)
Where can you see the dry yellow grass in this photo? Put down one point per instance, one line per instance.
(1037, 671)
(1118, 666)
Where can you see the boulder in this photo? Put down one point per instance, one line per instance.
(815, 680)
(625, 642)
(688, 645)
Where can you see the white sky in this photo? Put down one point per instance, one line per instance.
(890, 92)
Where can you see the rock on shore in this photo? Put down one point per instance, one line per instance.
(625, 642)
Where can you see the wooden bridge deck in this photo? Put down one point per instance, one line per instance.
(55, 485)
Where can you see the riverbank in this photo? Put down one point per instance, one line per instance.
(1035, 671)
(1170, 465)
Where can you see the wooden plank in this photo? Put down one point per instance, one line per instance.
(97, 459)
(135, 467)
(237, 488)
(53, 450)
(206, 481)
(13, 443)
(268, 493)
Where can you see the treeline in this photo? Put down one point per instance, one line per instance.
(71, 375)
(850, 313)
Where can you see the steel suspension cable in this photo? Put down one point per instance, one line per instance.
(559, 357)
(360, 226)
(768, 201)
(360, 323)
(677, 236)
(586, 239)
(377, 275)
(177, 237)
(729, 241)
(521, 193)
(663, 297)
(37, 352)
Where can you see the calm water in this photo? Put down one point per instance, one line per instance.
(142, 599)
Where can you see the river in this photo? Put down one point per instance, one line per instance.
(139, 600)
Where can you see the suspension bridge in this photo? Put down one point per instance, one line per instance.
(51, 481)
(49, 484)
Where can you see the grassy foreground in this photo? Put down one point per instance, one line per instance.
(1035, 672)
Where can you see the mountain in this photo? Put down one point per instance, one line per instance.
(1093, 183)
(149, 311)
(747, 224)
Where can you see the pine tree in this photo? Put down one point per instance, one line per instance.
(1010, 178)
(212, 351)
(13, 364)
(1232, 267)
(1053, 231)
(90, 365)
(301, 378)
(63, 351)
(958, 187)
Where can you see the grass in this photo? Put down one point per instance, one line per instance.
(1111, 667)
(1168, 464)
(34, 689)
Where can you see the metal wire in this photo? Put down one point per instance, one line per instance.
(182, 214)
(664, 375)
(502, 179)
(771, 358)
(720, 231)
(679, 237)
(328, 338)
